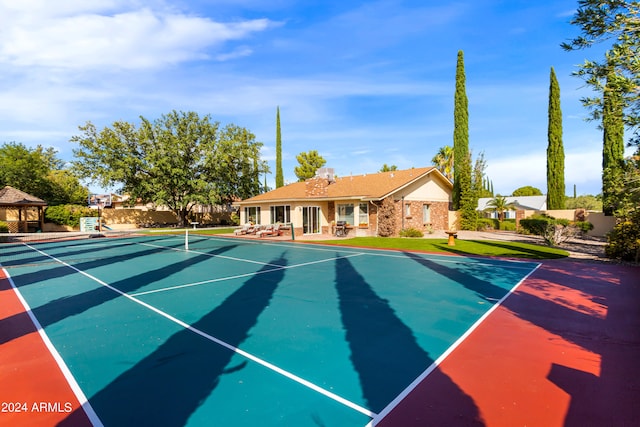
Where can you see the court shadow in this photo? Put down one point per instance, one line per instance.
(61, 308)
(484, 289)
(166, 387)
(89, 259)
(612, 332)
(384, 350)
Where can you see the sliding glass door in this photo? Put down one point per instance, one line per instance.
(311, 220)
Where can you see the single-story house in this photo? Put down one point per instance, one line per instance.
(421, 197)
(520, 203)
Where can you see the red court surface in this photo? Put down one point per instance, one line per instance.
(562, 350)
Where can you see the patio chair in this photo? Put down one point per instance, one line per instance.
(271, 230)
(242, 230)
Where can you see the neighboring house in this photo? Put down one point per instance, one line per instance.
(421, 195)
(520, 203)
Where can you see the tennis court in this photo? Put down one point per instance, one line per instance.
(235, 332)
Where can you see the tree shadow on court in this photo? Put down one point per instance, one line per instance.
(89, 259)
(611, 397)
(484, 289)
(384, 350)
(65, 307)
(166, 387)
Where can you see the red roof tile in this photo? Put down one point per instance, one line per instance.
(374, 186)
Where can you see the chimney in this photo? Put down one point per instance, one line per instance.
(319, 184)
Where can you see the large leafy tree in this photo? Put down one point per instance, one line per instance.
(279, 174)
(615, 24)
(178, 160)
(38, 171)
(615, 79)
(309, 163)
(555, 149)
(527, 190)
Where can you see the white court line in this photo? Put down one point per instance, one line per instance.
(239, 276)
(236, 350)
(208, 254)
(378, 418)
(77, 391)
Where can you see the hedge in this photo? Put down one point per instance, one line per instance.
(68, 214)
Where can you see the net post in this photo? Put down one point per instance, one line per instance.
(186, 239)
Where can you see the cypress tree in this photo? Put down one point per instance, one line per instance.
(460, 134)
(612, 144)
(555, 150)
(465, 198)
(279, 175)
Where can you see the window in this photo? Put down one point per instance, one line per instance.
(426, 214)
(345, 213)
(363, 215)
(252, 214)
(280, 214)
(407, 209)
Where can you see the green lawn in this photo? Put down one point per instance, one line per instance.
(462, 247)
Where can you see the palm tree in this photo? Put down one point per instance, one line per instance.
(444, 161)
(499, 204)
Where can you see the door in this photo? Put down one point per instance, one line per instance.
(311, 220)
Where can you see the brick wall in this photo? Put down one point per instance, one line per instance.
(413, 219)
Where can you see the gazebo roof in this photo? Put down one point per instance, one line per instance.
(11, 197)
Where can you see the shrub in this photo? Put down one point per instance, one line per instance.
(624, 240)
(68, 214)
(508, 225)
(411, 232)
(235, 219)
(583, 226)
(487, 224)
(4, 227)
(554, 231)
(558, 233)
(536, 224)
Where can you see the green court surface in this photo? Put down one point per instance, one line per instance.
(246, 333)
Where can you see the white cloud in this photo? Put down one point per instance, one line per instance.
(80, 35)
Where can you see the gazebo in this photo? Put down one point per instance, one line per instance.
(21, 211)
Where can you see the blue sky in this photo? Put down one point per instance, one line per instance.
(362, 82)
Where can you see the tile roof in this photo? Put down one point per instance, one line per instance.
(374, 186)
(10, 196)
